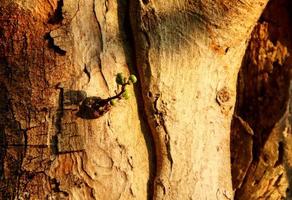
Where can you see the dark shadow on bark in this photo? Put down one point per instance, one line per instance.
(57, 17)
(51, 45)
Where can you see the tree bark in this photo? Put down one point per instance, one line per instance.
(171, 139)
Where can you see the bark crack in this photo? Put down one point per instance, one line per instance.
(280, 154)
(128, 12)
(98, 24)
(106, 10)
(58, 122)
(245, 125)
(87, 70)
(55, 184)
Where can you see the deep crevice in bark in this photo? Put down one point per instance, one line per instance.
(280, 154)
(56, 187)
(130, 53)
(86, 70)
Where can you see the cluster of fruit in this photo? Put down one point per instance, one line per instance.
(94, 107)
(123, 82)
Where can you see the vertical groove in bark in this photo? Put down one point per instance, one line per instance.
(162, 166)
(259, 160)
(130, 55)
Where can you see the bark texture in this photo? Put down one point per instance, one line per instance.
(261, 129)
(188, 55)
(52, 55)
(171, 140)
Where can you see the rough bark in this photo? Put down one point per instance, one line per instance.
(261, 130)
(56, 53)
(52, 54)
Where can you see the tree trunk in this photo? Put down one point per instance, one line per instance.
(189, 54)
(171, 139)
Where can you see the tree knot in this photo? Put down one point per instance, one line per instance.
(223, 96)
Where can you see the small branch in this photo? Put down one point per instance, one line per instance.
(118, 96)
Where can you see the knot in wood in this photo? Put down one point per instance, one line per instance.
(223, 96)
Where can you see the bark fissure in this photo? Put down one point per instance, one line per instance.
(131, 56)
(55, 184)
(58, 122)
(86, 70)
(280, 154)
(98, 25)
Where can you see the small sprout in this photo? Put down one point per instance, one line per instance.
(133, 78)
(94, 107)
(120, 80)
(113, 102)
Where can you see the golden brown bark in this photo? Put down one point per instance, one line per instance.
(188, 55)
(171, 139)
